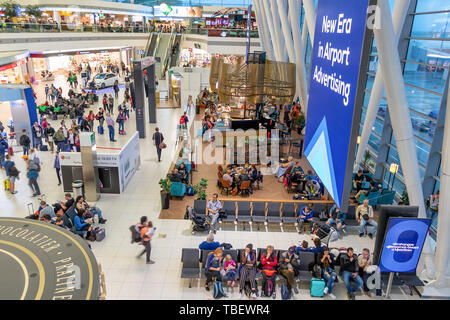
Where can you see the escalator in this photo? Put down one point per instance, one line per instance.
(174, 57)
(161, 52)
(151, 44)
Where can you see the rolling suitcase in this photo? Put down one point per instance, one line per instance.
(43, 148)
(317, 287)
(10, 151)
(100, 130)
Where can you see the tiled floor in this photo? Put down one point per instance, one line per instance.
(130, 278)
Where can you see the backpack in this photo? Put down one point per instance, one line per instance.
(285, 294)
(268, 289)
(13, 172)
(317, 271)
(135, 236)
(323, 216)
(190, 191)
(218, 290)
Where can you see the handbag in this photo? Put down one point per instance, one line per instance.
(162, 145)
(366, 217)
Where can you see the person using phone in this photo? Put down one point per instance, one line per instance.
(364, 216)
(247, 271)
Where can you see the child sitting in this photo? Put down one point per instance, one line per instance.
(230, 270)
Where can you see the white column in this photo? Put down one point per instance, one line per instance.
(287, 31)
(277, 29)
(442, 254)
(294, 14)
(399, 113)
(310, 17)
(398, 17)
(262, 25)
(269, 20)
(305, 33)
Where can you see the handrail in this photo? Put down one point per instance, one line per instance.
(8, 27)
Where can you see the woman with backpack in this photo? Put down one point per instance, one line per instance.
(213, 266)
(269, 263)
(247, 270)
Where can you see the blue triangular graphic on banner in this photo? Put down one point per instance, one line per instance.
(318, 153)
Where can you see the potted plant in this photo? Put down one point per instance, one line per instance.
(366, 160)
(200, 189)
(9, 8)
(300, 122)
(404, 199)
(165, 192)
(33, 10)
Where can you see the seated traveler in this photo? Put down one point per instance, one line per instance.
(365, 266)
(350, 270)
(183, 172)
(213, 208)
(90, 211)
(364, 216)
(80, 224)
(325, 261)
(247, 270)
(209, 244)
(304, 247)
(317, 246)
(69, 202)
(283, 167)
(305, 216)
(358, 180)
(289, 262)
(175, 176)
(373, 188)
(269, 263)
(336, 217)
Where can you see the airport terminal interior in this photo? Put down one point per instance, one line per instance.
(235, 150)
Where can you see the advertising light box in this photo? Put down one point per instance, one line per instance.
(403, 244)
(340, 42)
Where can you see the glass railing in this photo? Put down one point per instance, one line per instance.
(34, 27)
(237, 33)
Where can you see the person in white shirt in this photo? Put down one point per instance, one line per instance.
(364, 216)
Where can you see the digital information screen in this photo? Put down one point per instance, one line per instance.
(337, 51)
(403, 244)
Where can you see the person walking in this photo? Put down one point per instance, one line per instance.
(59, 138)
(25, 141)
(116, 90)
(110, 124)
(158, 139)
(33, 169)
(11, 173)
(37, 135)
(111, 104)
(147, 232)
(57, 166)
(90, 119)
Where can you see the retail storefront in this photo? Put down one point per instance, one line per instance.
(193, 57)
(59, 62)
(15, 67)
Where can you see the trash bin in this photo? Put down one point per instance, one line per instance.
(77, 186)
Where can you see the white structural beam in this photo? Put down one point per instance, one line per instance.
(443, 231)
(287, 30)
(294, 14)
(398, 17)
(262, 24)
(310, 18)
(277, 29)
(389, 62)
(269, 20)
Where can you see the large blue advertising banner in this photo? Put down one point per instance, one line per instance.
(403, 244)
(336, 60)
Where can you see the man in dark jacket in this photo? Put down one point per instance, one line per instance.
(350, 267)
(289, 261)
(25, 141)
(158, 138)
